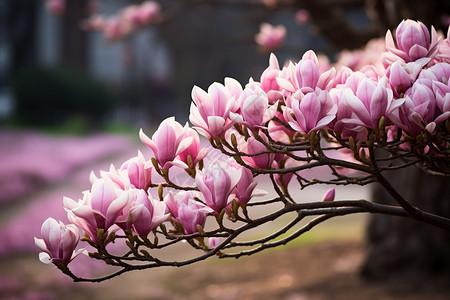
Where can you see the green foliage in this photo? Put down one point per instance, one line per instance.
(51, 96)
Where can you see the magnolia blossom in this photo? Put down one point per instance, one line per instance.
(413, 42)
(134, 173)
(216, 182)
(255, 110)
(371, 101)
(56, 7)
(283, 180)
(427, 102)
(193, 151)
(140, 15)
(302, 16)
(213, 242)
(259, 156)
(187, 211)
(112, 28)
(137, 171)
(58, 242)
(310, 112)
(342, 74)
(268, 80)
(148, 12)
(442, 92)
(444, 49)
(418, 110)
(167, 143)
(100, 208)
(402, 76)
(245, 188)
(278, 131)
(329, 195)
(270, 37)
(125, 22)
(305, 76)
(145, 213)
(210, 110)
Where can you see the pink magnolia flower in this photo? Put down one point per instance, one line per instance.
(148, 12)
(310, 112)
(371, 101)
(134, 173)
(58, 242)
(146, 213)
(283, 180)
(305, 77)
(235, 90)
(350, 59)
(187, 211)
(270, 37)
(439, 72)
(193, 150)
(113, 177)
(413, 42)
(402, 76)
(216, 182)
(245, 188)
(130, 16)
(278, 131)
(329, 195)
(255, 110)
(100, 208)
(210, 110)
(213, 242)
(302, 16)
(95, 22)
(417, 112)
(344, 112)
(444, 49)
(437, 78)
(56, 7)
(442, 92)
(253, 147)
(114, 29)
(137, 171)
(167, 143)
(268, 81)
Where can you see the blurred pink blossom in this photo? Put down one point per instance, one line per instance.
(270, 37)
(302, 16)
(56, 7)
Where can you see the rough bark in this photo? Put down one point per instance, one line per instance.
(400, 247)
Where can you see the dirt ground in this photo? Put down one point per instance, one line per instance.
(325, 270)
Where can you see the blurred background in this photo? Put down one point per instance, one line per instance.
(72, 98)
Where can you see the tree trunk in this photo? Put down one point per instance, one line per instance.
(404, 248)
(74, 39)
